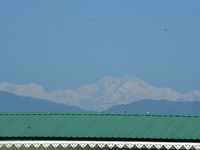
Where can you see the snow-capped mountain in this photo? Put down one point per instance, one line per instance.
(102, 95)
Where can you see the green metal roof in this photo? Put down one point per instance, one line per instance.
(99, 125)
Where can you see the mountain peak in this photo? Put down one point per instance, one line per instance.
(5, 84)
(130, 77)
(108, 78)
(8, 87)
(32, 89)
(192, 96)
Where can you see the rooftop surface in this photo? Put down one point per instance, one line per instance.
(99, 126)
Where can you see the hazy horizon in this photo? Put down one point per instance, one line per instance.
(103, 94)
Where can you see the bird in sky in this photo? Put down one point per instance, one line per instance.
(91, 19)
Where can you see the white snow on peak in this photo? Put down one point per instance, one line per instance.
(31, 90)
(103, 94)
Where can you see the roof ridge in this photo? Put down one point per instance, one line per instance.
(98, 113)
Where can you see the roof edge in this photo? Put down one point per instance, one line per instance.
(101, 144)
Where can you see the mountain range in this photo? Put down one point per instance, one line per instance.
(13, 103)
(103, 94)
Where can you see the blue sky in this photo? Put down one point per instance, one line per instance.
(80, 42)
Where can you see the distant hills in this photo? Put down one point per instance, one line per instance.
(103, 94)
(13, 103)
(161, 106)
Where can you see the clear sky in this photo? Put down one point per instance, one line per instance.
(62, 44)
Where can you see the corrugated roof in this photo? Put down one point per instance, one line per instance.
(99, 125)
